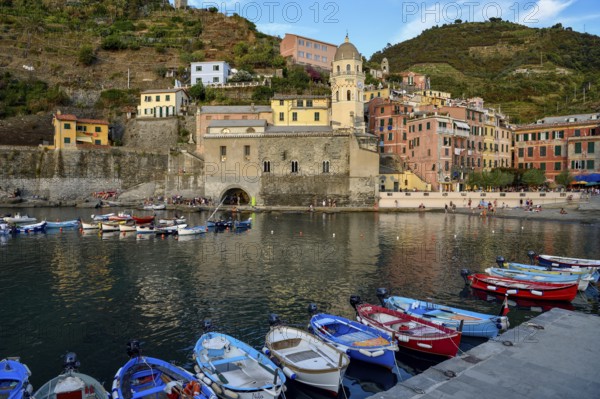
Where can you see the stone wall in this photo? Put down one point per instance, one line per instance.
(152, 133)
(76, 174)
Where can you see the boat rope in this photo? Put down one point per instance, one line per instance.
(458, 348)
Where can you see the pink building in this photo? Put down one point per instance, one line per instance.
(306, 51)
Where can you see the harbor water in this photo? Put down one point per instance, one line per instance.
(89, 293)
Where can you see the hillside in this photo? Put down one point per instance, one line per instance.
(101, 54)
(527, 72)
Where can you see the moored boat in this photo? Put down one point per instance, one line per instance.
(172, 221)
(243, 224)
(582, 281)
(474, 324)
(152, 378)
(560, 261)
(89, 226)
(62, 224)
(191, 231)
(145, 229)
(359, 341)
(167, 230)
(305, 358)
(592, 272)
(71, 384)
(143, 219)
(127, 227)
(236, 370)
(100, 218)
(5, 229)
(109, 226)
(30, 228)
(521, 288)
(18, 219)
(14, 379)
(413, 333)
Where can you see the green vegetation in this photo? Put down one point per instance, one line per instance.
(115, 99)
(564, 178)
(20, 97)
(527, 72)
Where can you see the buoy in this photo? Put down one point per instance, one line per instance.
(60, 229)
(397, 238)
(271, 231)
(493, 231)
(333, 235)
(162, 236)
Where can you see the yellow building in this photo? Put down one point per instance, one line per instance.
(70, 131)
(300, 110)
(433, 97)
(163, 103)
(372, 92)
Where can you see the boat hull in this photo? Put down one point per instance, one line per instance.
(72, 384)
(411, 332)
(582, 282)
(63, 224)
(11, 369)
(475, 324)
(313, 362)
(560, 261)
(524, 289)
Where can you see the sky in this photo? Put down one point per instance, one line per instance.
(371, 25)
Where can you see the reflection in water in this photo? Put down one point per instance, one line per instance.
(92, 293)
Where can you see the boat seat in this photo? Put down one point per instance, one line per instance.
(146, 392)
(392, 322)
(229, 360)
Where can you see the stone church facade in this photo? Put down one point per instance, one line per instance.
(257, 162)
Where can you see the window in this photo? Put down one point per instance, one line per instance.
(308, 56)
(223, 153)
(67, 140)
(167, 98)
(390, 121)
(198, 68)
(557, 165)
(215, 79)
(216, 67)
(300, 103)
(577, 133)
(67, 126)
(428, 126)
(98, 129)
(420, 127)
(97, 142)
(281, 116)
(316, 46)
(300, 54)
(324, 59)
(309, 103)
(589, 165)
(325, 166)
(577, 148)
(266, 166)
(317, 116)
(301, 42)
(591, 148)
(543, 165)
(390, 136)
(542, 151)
(337, 95)
(348, 95)
(295, 116)
(348, 68)
(557, 150)
(529, 151)
(521, 152)
(281, 103)
(247, 152)
(148, 99)
(382, 110)
(157, 98)
(308, 44)
(294, 166)
(317, 57)
(324, 48)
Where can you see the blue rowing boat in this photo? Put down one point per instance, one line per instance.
(14, 379)
(151, 378)
(540, 277)
(62, 224)
(236, 370)
(474, 324)
(359, 341)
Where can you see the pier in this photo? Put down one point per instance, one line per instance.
(554, 355)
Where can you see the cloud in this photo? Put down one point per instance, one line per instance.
(276, 29)
(548, 10)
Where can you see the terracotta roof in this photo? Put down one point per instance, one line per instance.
(94, 121)
(66, 117)
(159, 91)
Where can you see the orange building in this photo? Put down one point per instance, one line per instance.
(306, 51)
(556, 143)
(70, 131)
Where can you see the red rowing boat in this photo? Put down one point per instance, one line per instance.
(412, 333)
(143, 219)
(523, 288)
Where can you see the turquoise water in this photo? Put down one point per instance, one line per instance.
(68, 291)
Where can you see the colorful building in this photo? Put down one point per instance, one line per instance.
(297, 110)
(306, 51)
(210, 72)
(371, 92)
(163, 103)
(556, 143)
(71, 132)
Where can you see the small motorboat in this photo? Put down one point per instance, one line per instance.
(560, 261)
(64, 224)
(109, 226)
(191, 231)
(235, 369)
(413, 333)
(89, 226)
(71, 384)
(128, 227)
(243, 224)
(148, 377)
(172, 221)
(521, 288)
(359, 341)
(18, 219)
(582, 281)
(475, 324)
(155, 207)
(143, 219)
(30, 228)
(5, 229)
(592, 272)
(101, 218)
(168, 230)
(14, 379)
(305, 358)
(145, 229)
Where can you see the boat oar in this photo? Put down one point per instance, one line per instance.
(178, 389)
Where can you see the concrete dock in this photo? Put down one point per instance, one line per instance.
(555, 355)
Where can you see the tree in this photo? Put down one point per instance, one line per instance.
(86, 55)
(533, 177)
(197, 92)
(564, 178)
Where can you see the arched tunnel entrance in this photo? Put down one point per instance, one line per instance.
(235, 196)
